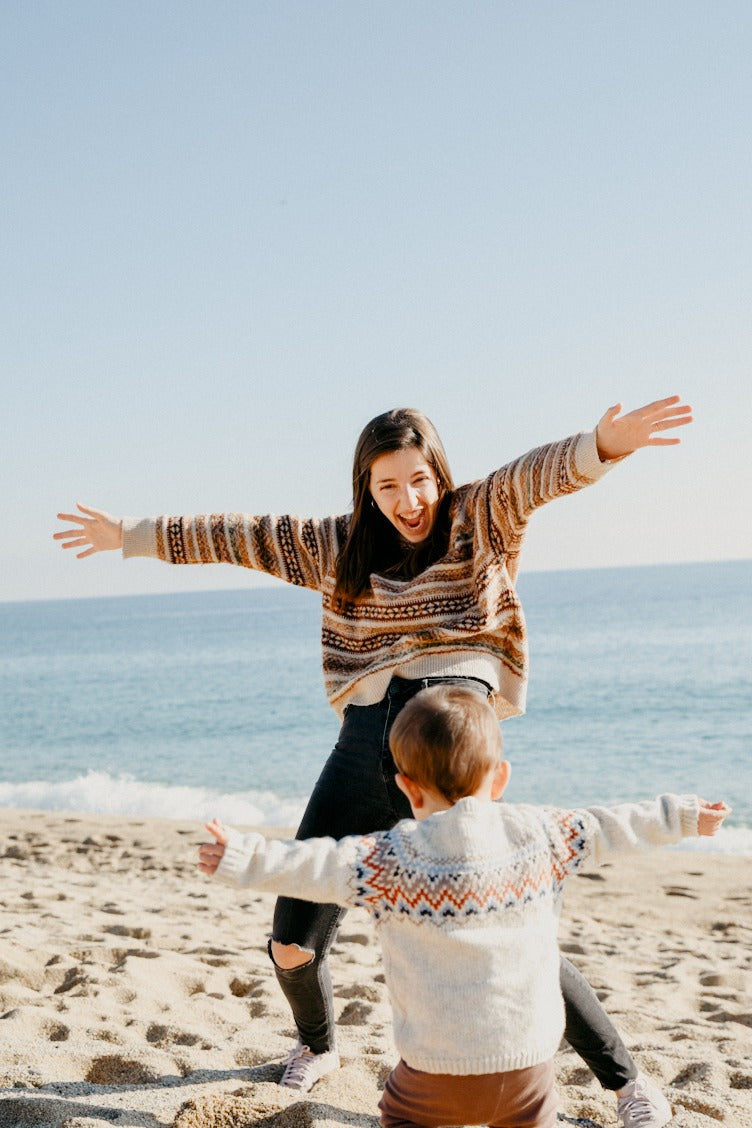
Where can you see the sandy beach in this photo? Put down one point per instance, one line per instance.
(135, 992)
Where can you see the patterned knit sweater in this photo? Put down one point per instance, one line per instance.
(466, 907)
(459, 616)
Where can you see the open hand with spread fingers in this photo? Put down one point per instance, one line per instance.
(96, 531)
(619, 435)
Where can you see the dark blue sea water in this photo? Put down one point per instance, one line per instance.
(190, 705)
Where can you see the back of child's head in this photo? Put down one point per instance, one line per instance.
(446, 739)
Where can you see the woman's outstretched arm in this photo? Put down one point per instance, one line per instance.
(297, 550)
(96, 531)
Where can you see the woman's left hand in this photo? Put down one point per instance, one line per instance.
(618, 436)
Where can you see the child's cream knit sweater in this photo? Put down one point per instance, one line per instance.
(466, 907)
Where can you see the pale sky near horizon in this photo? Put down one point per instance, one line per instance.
(233, 232)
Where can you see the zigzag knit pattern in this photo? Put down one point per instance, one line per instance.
(393, 877)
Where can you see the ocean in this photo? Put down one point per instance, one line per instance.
(192, 705)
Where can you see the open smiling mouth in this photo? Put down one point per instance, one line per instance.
(412, 522)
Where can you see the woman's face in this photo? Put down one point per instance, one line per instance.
(405, 489)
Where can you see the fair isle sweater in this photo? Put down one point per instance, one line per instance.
(466, 906)
(461, 615)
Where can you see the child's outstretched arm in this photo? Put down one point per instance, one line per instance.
(314, 869)
(210, 854)
(619, 435)
(632, 827)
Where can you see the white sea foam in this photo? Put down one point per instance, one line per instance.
(729, 840)
(102, 794)
(98, 793)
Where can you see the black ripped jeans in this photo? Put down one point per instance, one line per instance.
(355, 794)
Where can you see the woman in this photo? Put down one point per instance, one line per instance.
(417, 586)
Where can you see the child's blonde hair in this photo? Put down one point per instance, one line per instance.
(446, 739)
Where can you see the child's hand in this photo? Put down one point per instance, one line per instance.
(210, 854)
(711, 816)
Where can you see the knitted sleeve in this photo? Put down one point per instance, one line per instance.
(599, 833)
(315, 869)
(540, 476)
(300, 551)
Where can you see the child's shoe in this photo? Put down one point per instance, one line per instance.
(642, 1105)
(303, 1069)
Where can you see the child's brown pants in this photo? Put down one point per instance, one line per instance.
(521, 1098)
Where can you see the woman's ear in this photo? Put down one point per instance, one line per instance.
(501, 779)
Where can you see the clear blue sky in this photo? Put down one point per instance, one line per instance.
(233, 232)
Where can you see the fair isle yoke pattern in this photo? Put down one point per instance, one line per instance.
(463, 606)
(393, 879)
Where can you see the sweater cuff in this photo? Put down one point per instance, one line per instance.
(689, 815)
(588, 461)
(239, 850)
(139, 536)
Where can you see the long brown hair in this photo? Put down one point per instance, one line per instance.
(373, 544)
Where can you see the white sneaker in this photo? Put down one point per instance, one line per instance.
(303, 1069)
(642, 1105)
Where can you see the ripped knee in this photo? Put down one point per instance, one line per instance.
(289, 956)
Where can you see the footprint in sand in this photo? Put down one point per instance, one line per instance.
(121, 956)
(138, 932)
(680, 891)
(361, 991)
(356, 1013)
(57, 1032)
(165, 1036)
(735, 980)
(247, 988)
(727, 1016)
(694, 1102)
(112, 1069)
(214, 1112)
(249, 1058)
(693, 1074)
(75, 979)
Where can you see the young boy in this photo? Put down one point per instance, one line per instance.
(466, 901)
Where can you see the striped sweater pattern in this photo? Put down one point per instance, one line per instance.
(461, 609)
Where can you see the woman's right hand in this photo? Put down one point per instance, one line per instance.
(96, 532)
